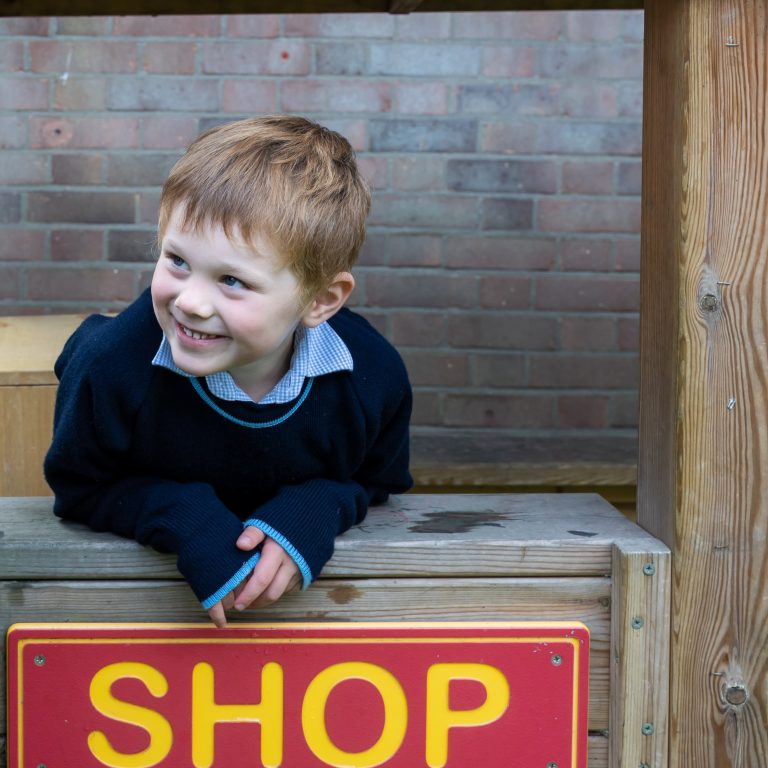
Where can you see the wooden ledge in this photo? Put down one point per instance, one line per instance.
(431, 535)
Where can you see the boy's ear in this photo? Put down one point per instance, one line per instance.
(328, 301)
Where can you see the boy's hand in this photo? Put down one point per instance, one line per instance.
(275, 574)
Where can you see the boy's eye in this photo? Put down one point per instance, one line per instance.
(232, 282)
(177, 261)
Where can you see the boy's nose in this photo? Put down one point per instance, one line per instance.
(193, 301)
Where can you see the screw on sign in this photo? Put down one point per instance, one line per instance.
(359, 696)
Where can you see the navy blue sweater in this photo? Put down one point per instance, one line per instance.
(140, 451)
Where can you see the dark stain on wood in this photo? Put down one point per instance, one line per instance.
(457, 522)
(344, 594)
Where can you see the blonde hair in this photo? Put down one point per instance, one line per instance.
(285, 177)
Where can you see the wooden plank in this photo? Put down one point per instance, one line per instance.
(412, 535)
(26, 418)
(640, 629)
(703, 487)
(566, 474)
(29, 347)
(586, 600)
(157, 7)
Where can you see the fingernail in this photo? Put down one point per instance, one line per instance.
(239, 607)
(244, 539)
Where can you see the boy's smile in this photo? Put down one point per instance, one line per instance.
(225, 305)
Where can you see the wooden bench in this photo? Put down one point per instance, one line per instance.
(454, 557)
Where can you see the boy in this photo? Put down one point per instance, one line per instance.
(236, 414)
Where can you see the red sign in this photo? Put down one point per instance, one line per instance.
(314, 695)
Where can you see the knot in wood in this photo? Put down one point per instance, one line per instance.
(709, 302)
(735, 694)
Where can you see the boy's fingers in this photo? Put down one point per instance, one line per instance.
(216, 612)
(250, 538)
(286, 580)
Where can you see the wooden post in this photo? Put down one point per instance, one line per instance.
(703, 477)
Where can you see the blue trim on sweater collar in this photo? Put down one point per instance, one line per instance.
(316, 352)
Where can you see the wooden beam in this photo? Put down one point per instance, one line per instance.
(703, 484)
(161, 7)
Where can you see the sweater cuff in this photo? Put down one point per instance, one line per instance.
(301, 563)
(241, 574)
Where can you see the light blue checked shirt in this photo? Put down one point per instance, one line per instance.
(316, 351)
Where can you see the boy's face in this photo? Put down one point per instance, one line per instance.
(224, 305)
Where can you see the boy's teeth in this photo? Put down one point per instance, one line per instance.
(195, 334)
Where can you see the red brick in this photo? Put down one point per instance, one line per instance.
(80, 94)
(570, 61)
(372, 254)
(82, 56)
(423, 26)
(587, 294)
(83, 25)
(375, 170)
(10, 208)
(522, 25)
(511, 137)
(631, 100)
(80, 284)
(77, 244)
(132, 245)
(302, 24)
(593, 26)
(24, 168)
(624, 411)
(11, 56)
(165, 93)
(418, 172)
(247, 97)
(587, 177)
(499, 252)
(509, 61)
(261, 25)
(167, 26)
(629, 334)
(378, 320)
(414, 250)
(426, 409)
(81, 207)
(266, 57)
(171, 132)
(369, 25)
(400, 289)
(139, 170)
(499, 370)
(582, 412)
(424, 211)
(505, 292)
(430, 98)
(21, 245)
(26, 26)
(587, 255)
(354, 131)
(563, 371)
(506, 213)
(572, 137)
(511, 411)
(76, 169)
(505, 330)
(589, 99)
(13, 132)
(170, 57)
(436, 369)
(588, 334)
(589, 215)
(23, 93)
(418, 329)
(335, 96)
(84, 132)
(149, 206)
(10, 284)
(629, 178)
(628, 254)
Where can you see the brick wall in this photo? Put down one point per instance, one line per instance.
(503, 149)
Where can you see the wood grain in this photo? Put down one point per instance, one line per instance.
(703, 484)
